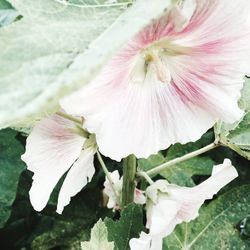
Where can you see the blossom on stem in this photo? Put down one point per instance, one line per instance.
(56, 146)
(170, 83)
(113, 200)
(169, 205)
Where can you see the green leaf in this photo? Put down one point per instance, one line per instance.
(151, 162)
(57, 47)
(73, 226)
(237, 136)
(181, 173)
(99, 235)
(245, 95)
(4, 5)
(128, 226)
(11, 167)
(216, 227)
(7, 16)
(7, 13)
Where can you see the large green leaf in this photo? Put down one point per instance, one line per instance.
(237, 136)
(59, 46)
(129, 226)
(99, 238)
(216, 227)
(4, 5)
(11, 167)
(181, 173)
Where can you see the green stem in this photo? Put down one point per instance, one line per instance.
(69, 117)
(163, 166)
(79, 128)
(128, 184)
(105, 170)
(66, 3)
(145, 176)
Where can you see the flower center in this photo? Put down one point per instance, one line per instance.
(156, 61)
(153, 63)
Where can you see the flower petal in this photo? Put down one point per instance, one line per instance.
(162, 217)
(139, 197)
(142, 243)
(51, 148)
(193, 198)
(78, 176)
(146, 242)
(117, 182)
(145, 118)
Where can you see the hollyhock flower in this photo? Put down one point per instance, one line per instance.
(171, 82)
(169, 205)
(139, 197)
(56, 146)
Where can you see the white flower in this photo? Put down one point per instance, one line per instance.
(169, 205)
(54, 147)
(170, 83)
(139, 197)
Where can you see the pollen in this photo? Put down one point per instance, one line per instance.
(156, 63)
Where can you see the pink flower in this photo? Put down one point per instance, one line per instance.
(54, 147)
(139, 197)
(169, 205)
(172, 82)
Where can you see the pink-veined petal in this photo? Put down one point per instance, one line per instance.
(78, 176)
(51, 148)
(144, 119)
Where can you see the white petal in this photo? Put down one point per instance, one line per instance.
(139, 119)
(146, 242)
(182, 14)
(78, 176)
(51, 148)
(163, 216)
(139, 197)
(143, 243)
(117, 183)
(192, 198)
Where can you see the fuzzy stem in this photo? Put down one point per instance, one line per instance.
(145, 176)
(163, 166)
(105, 170)
(66, 3)
(128, 184)
(69, 117)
